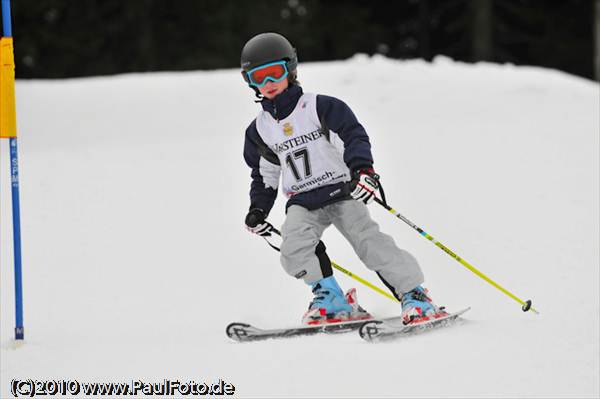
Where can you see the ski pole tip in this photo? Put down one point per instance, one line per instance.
(527, 307)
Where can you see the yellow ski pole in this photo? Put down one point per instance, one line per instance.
(526, 305)
(365, 282)
(341, 269)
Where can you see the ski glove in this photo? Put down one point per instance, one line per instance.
(364, 185)
(256, 223)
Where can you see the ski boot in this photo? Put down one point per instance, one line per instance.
(417, 306)
(330, 305)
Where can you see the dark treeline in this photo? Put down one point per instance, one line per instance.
(71, 38)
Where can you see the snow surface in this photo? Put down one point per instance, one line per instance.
(135, 257)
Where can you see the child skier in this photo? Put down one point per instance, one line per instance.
(324, 157)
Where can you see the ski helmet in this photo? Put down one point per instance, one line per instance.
(268, 47)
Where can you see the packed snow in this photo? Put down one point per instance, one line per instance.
(135, 256)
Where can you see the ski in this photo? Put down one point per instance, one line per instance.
(369, 329)
(243, 332)
(380, 330)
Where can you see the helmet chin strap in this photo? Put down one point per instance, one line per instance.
(257, 94)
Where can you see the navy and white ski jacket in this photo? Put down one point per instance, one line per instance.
(313, 142)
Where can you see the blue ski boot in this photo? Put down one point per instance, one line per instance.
(417, 306)
(331, 306)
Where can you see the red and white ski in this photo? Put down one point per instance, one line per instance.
(243, 332)
(380, 330)
(316, 321)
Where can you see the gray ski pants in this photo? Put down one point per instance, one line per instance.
(302, 232)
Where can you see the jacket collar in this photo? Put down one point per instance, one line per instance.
(282, 106)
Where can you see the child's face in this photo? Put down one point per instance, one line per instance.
(271, 89)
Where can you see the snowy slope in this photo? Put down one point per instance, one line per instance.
(135, 257)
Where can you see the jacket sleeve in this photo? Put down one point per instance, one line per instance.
(265, 170)
(337, 117)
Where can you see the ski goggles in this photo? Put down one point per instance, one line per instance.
(273, 71)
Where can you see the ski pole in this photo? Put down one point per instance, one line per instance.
(365, 282)
(526, 305)
(341, 269)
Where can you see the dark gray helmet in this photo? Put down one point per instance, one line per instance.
(268, 47)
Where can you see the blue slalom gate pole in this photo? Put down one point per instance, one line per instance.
(14, 174)
(16, 208)
(6, 21)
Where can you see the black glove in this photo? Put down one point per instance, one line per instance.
(364, 185)
(256, 223)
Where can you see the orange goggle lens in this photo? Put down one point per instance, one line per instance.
(274, 72)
